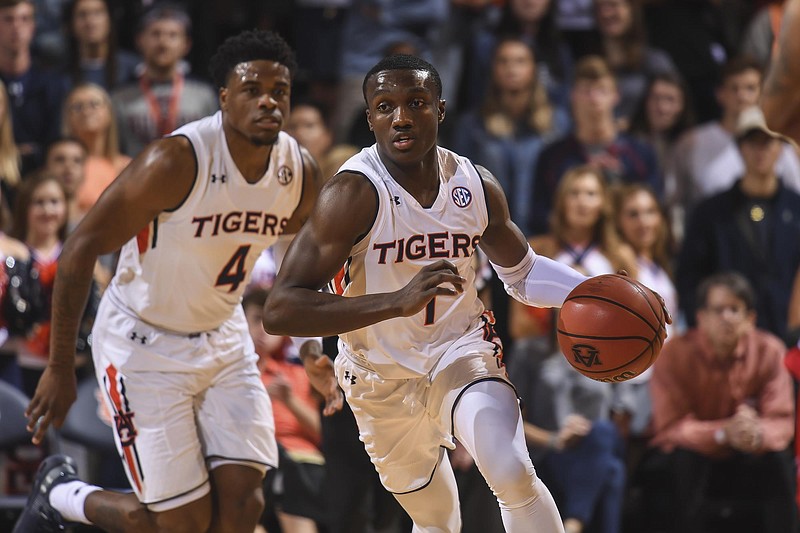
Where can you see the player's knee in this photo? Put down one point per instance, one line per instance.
(512, 481)
(240, 512)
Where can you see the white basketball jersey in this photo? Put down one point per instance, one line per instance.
(404, 238)
(187, 269)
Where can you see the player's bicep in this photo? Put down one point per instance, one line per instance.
(344, 212)
(159, 179)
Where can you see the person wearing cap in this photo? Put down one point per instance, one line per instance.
(706, 159)
(753, 228)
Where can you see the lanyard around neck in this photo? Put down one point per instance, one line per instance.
(164, 123)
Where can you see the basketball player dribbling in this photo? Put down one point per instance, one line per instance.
(171, 347)
(418, 358)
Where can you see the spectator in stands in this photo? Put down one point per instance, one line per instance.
(663, 115)
(641, 223)
(626, 50)
(533, 22)
(93, 54)
(753, 228)
(507, 132)
(89, 117)
(723, 407)
(577, 449)
(66, 161)
(370, 30)
(309, 124)
(40, 222)
(35, 95)
(163, 97)
(296, 483)
(707, 159)
(595, 140)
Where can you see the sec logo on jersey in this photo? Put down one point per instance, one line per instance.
(462, 197)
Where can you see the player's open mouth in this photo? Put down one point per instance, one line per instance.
(403, 142)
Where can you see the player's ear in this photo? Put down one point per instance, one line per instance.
(369, 120)
(223, 98)
(441, 107)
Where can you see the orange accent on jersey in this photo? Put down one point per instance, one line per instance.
(143, 239)
(119, 410)
(338, 281)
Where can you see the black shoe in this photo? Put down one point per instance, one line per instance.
(39, 516)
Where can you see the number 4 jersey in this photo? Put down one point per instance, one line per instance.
(404, 238)
(187, 269)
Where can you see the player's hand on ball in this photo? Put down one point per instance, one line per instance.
(667, 314)
(437, 279)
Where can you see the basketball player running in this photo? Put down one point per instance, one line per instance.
(419, 361)
(172, 352)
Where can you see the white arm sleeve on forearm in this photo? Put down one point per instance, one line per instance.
(538, 280)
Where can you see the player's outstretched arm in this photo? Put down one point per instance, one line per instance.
(780, 100)
(344, 213)
(529, 278)
(158, 179)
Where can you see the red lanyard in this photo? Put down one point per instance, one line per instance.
(164, 124)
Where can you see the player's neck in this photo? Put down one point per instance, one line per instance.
(420, 179)
(251, 160)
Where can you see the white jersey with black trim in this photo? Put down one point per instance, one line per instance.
(186, 270)
(405, 237)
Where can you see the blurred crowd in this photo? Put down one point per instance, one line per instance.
(627, 136)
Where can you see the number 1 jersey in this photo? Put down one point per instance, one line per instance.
(405, 237)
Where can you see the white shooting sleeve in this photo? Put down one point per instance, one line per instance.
(539, 281)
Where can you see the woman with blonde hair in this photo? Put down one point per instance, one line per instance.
(515, 121)
(568, 422)
(10, 160)
(89, 117)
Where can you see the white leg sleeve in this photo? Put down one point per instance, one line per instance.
(488, 423)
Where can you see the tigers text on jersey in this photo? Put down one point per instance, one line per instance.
(404, 238)
(187, 269)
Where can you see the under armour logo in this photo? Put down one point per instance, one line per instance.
(349, 377)
(396, 200)
(221, 178)
(125, 428)
(586, 355)
(135, 336)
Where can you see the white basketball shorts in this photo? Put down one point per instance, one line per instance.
(405, 424)
(181, 402)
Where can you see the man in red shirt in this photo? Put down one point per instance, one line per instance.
(723, 414)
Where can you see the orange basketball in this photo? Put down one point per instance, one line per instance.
(610, 328)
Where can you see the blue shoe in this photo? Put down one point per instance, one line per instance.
(39, 516)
